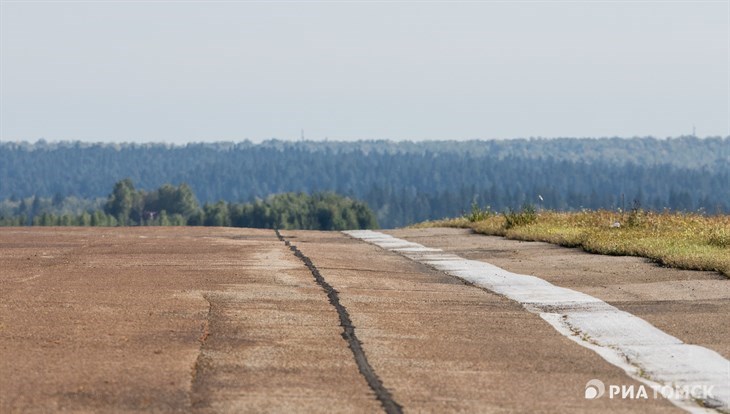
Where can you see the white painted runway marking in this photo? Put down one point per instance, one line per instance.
(643, 351)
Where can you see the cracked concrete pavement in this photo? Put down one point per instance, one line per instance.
(230, 320)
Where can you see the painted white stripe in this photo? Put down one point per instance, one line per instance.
(643, 351)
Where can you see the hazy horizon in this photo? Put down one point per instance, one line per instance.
(350, 141)
(178, 72)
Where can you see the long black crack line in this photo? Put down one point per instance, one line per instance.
(348, 333)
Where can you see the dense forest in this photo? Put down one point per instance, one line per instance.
(177, 206)
(403, 182)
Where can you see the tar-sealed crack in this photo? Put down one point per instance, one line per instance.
(367, 371)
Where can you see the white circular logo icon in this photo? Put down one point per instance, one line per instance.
(594, 389)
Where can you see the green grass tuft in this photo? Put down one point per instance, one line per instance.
(478, 213)
(523, 217)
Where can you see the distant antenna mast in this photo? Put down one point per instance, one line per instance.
(694, 134)
(302, 136)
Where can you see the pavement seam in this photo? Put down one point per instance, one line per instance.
(194, 399)
(383, 395)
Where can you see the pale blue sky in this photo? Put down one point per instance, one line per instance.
(206, 71)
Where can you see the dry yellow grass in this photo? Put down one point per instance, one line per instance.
(681, 240)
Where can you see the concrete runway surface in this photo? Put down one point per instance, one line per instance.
(244, 320)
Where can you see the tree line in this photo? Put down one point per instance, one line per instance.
(171, 205)
(403, 182)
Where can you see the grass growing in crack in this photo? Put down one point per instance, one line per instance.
(641, 372)
(584, 336)
(680, 240)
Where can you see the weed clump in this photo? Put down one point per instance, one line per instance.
(514, 218)
(478, 213)
(637, 216)
(719, 237)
